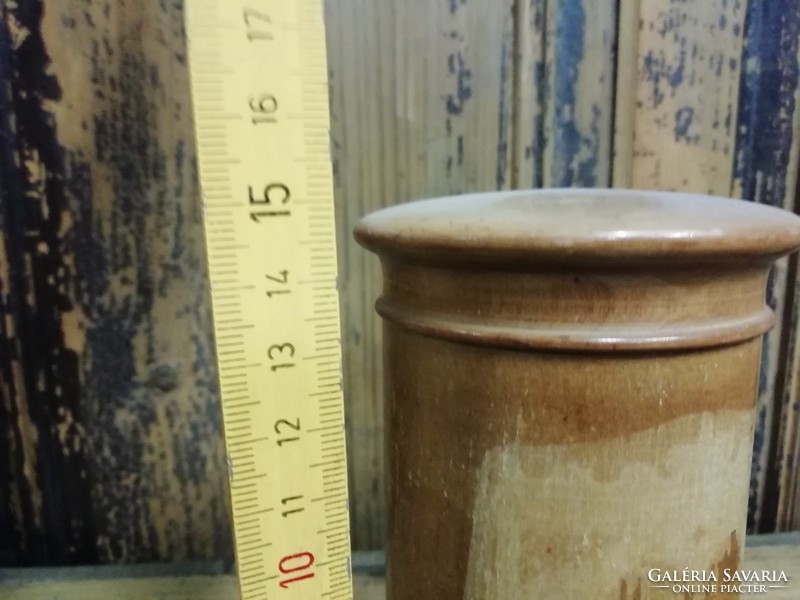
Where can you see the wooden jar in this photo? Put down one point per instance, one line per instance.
(570, 384)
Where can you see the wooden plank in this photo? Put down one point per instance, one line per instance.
(766, 172)
(786, 456)
(530, 82)
(44, 485)
(627, 72)
(580, 42)
(564, 82)
(117, 452)
(682, 132)
(203, 582)
(421, 106)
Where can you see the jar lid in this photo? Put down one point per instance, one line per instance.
(555, 227)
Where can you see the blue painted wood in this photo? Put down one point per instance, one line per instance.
(767, 101)
(568, 168)
(763, 146)
(579, 100)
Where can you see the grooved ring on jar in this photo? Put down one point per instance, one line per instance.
(570, 337)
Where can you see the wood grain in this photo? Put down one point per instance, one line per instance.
(109, 387)
(785, 489)
(687, 71)
(45, 467)
(580, 42)
(530, 91)
(564, 88)
(627, 76)
(766, 172)
(421, 106)
(457, 97)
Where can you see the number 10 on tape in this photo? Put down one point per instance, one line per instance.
(259, 88)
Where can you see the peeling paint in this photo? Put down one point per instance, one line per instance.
(761, 168)
(567, 138)
(455, 5)
(683, 121)
(457, 66)
(503, 117)
(53, 518)
(128, 416)
(580, 137)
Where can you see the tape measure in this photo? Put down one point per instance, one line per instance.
(260, 91)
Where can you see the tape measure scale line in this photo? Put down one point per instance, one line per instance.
(259, 85)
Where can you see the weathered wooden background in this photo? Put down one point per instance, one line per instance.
(111, 447)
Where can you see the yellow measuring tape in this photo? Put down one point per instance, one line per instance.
(260, 91)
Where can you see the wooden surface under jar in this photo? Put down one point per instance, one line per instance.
(194, 581)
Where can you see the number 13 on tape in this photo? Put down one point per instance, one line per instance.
(259, 88)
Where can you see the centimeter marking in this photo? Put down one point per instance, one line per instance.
(259, 85)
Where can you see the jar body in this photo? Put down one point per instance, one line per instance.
(561, 473)
(570, 384)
